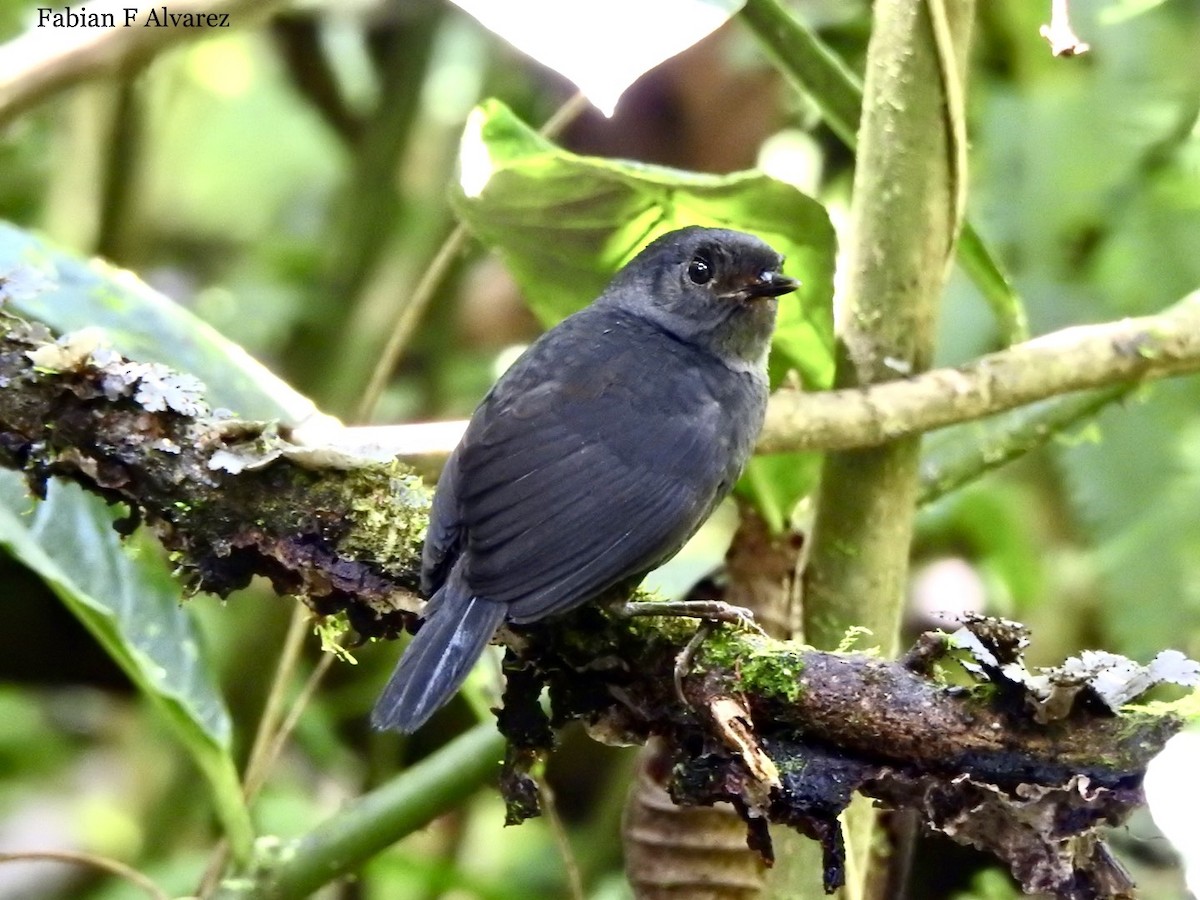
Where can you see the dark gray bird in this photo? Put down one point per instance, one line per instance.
(597, 455)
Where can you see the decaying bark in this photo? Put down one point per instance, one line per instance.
(233, 499)
(701, 852)
(1029, 766)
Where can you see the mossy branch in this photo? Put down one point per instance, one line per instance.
(783, 731)
(230, 499)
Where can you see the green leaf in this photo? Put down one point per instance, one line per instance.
(775, 483)
(69, 294)
(984, 269)
(130, 603)
(565, 223)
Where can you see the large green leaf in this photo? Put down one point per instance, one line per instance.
(128, 600)
(68, 294)
(564, 223)
(130, 603)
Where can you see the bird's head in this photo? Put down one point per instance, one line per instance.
(710, 286)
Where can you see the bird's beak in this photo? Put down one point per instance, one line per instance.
(768, 283)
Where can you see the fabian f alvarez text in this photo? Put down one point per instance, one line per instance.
(158, 17)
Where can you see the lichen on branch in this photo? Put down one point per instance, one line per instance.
(346, 538)
(784, 732)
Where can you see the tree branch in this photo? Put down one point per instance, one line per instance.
(233, 499)
(784, 732)
(1073, 359)
(43, 61)
(956, 458)
(1113, 357)
(375, 820)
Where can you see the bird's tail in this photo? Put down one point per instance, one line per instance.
(456, 629)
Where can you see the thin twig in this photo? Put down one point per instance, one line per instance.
(570, 110)
(406, 322)
(79, 858)
(289, 724)
(963, 458)
(413, 309)
(268, 724)
(554, 821)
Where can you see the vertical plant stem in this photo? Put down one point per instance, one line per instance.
(561, 840)
(255, 780)
(293, 644)
(118, 198)
(820, 74)
(407, 319)
(906, 213)
(91, 860)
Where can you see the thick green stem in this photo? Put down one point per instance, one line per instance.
(905, 224)
(378, 819)
(906, 212)
(819, 73)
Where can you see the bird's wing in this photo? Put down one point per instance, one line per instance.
(443, 537)
(577, 482)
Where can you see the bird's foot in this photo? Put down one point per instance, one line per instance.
(685, 657)
(709, 610)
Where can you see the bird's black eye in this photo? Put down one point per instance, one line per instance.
(700, 269)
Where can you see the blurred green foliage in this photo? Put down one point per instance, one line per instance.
(289, 184)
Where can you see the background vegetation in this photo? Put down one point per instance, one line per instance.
(287, 183)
